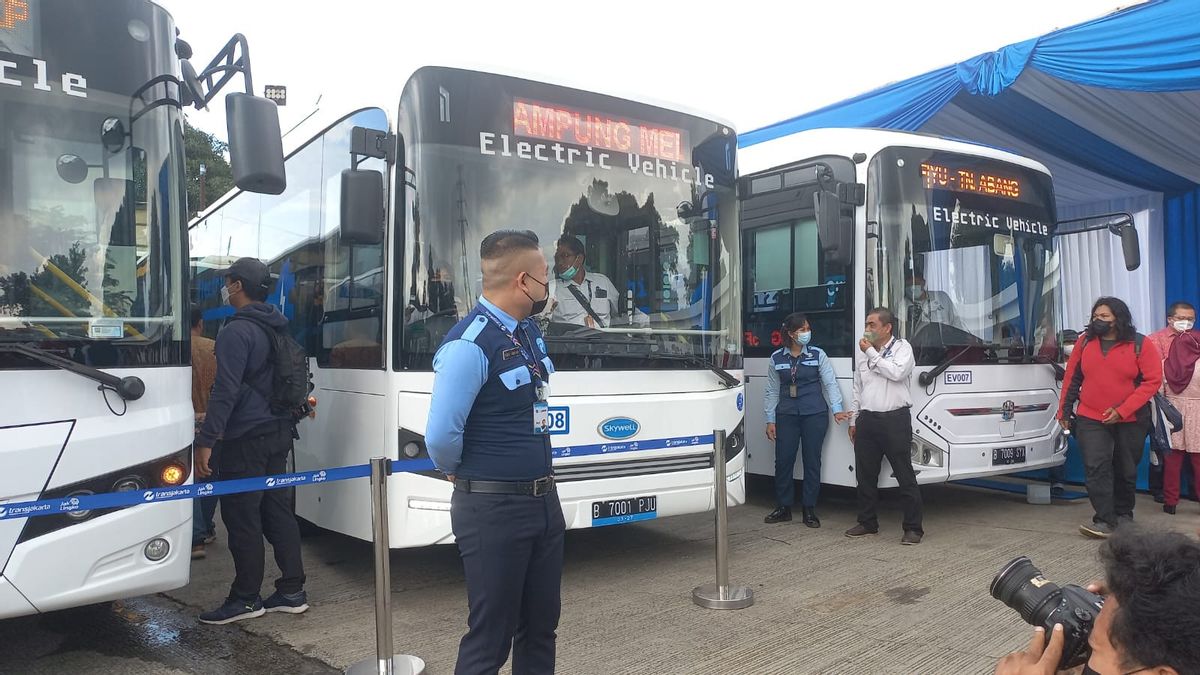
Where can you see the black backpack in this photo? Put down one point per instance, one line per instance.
(291, 380)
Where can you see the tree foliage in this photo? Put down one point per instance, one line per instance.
(204, 148)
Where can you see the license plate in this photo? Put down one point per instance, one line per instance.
(1002, 456)
(628, 510)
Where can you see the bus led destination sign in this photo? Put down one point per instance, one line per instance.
(966, 180)
(598, 130)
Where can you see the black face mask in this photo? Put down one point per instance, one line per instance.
(1099, 327)
(539, 306)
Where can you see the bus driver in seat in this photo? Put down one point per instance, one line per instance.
(578, 290)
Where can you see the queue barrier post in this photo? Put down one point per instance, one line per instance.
(386, 661)
(721, 595)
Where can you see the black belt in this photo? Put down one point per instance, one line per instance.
(534, 488)
(906, 410)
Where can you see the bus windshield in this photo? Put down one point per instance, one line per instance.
(633, 204)
(961, 250)
(91, 181)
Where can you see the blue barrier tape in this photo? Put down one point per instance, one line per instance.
(110, 500)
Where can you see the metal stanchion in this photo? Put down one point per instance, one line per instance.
(386, 662)
(721, 595)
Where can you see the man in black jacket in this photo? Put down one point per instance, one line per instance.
(255, 441)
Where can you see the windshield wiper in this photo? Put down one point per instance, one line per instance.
(726, 378)
(129, 388)
(926, 378)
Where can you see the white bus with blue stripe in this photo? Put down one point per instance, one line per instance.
(94, 341)
(375, 265)
(957, 240)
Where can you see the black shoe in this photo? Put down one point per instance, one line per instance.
(233, 610)
(1169, 508)
(1096, 530)
(292, 603)
(779, 515)
(810, 517)
(911, 538)
(1158, 497)
(860, 530)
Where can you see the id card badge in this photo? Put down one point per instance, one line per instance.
(792, 390)
(541, 417)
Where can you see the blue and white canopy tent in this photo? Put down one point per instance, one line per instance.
(1111, 106)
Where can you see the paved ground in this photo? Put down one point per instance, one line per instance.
(825, 604)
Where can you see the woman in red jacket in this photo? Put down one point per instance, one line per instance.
(1113, 384)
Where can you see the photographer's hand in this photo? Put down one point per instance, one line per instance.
(1038, 658)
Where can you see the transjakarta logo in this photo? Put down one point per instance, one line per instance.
(270, 482)
(617, 428)
(183, 491)
(286, 480)
(148, 496)
(24, 510)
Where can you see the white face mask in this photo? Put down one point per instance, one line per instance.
(1183, 325)
(225, 295)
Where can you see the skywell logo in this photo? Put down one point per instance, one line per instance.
(618, 428)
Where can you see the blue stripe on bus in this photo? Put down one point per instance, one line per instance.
(631, 446)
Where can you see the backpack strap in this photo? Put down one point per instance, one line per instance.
(268, 367)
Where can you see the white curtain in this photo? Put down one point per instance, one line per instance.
(1092, 265)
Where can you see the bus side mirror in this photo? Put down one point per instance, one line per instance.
(255, 144)
(836, 233)
(1130, 247)
(362, 207)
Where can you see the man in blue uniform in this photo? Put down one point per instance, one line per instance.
(487, 431)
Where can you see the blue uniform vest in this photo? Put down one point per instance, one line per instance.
(810, 395)
(498, 439)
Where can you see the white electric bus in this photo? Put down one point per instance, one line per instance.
(93, 281)
(376, 246)
(956, 239)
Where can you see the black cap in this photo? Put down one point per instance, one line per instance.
(251, 272)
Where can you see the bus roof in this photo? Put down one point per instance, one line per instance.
(849, 141)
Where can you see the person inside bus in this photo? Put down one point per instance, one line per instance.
(1183, 391)
(799, 397)
(204, 372)
(578, 290)
(923, 307)
(1112, 374)
(1181, 318)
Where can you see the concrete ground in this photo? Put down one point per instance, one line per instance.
(824, 603)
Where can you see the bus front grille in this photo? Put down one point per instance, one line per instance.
(631, 467)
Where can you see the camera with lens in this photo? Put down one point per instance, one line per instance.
(1044, 603)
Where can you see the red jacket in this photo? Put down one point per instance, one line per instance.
(1108, 379)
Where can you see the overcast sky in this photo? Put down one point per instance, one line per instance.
(751, 62)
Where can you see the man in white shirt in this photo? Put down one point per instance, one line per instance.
(578, 290)
(882, 424)
(923, 307)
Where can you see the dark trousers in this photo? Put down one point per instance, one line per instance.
(250, 516)
(203, 510)
(512, 552)
(805, 433)
(879, 435)
(1110, 457)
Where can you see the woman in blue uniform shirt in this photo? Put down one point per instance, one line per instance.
(801, 391)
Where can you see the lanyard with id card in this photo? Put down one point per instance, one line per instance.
(792, 391)
(541, 408)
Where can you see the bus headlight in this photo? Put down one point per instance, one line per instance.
(157, 549)
(925, 453)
